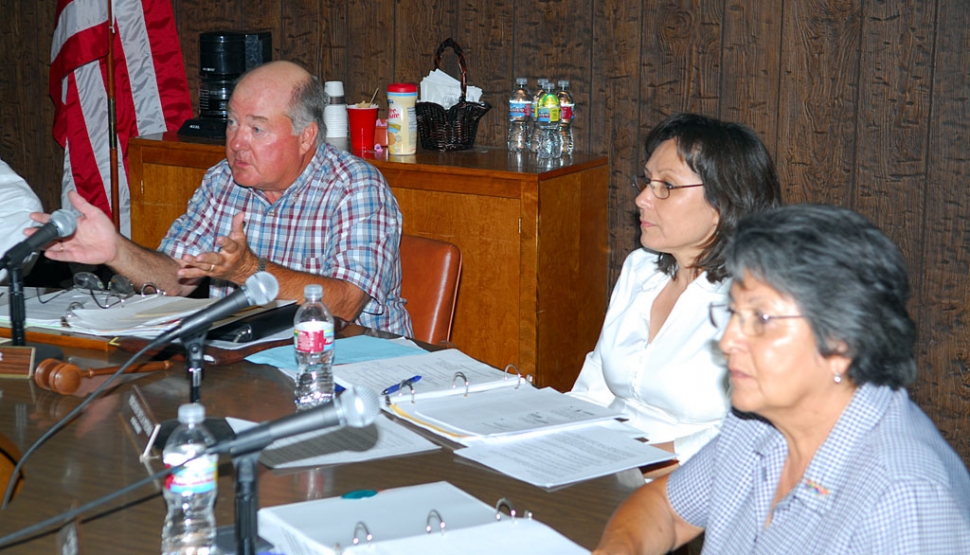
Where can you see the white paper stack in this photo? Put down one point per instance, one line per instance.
(443, 89)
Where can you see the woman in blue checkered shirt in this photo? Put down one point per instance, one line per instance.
(823, 451)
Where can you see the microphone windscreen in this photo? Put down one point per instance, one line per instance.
(65, 221)
(360, 406)
(262, 288)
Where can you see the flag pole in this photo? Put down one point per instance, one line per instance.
(112, 122)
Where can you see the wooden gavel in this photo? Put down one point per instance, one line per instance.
(65, 378)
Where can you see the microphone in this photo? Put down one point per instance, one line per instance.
(260, 288)
(356, 407)
(61, 224)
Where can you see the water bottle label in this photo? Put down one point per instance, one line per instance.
(548, 114)
(197, 476)
(566, 112)
(520, 109)
(313, 337)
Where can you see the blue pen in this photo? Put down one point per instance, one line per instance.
(394, 388)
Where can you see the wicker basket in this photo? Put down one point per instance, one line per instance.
(456, 127)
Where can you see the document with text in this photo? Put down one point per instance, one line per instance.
(565, 457)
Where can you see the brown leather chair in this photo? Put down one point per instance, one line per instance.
(429, 282)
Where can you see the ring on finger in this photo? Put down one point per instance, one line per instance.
(212, 267)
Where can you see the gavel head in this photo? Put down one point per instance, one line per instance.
(43, 371)
(65, 378)
(58, 376)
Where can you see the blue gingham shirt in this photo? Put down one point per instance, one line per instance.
(883, 482)
(339, 219)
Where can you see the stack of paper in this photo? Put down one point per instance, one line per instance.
(77, 310)
(42, 314)
(500, 413)
(143, 317)
(568, 456)
(538, 436)
(397, 521)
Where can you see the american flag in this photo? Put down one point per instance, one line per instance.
(151, 91)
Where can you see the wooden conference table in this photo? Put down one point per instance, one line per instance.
(94, 456)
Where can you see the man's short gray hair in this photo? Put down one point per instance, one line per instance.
(307, 105)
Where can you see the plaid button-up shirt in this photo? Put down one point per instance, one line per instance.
(339, 219)
(884, 481)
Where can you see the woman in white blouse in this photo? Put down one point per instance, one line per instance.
(657, 359)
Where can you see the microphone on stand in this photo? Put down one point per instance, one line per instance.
(356, 407)
(62, 224)
(260, 288)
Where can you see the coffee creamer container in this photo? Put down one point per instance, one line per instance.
(402, 123)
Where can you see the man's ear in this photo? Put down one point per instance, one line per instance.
(308, 138)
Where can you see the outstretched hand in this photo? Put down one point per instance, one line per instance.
(94, 242)
(233, 261)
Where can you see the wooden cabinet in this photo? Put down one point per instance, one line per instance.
(533, 288)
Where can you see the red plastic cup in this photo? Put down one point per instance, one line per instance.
(362, 122)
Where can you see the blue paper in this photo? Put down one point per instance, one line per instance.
(358, 348)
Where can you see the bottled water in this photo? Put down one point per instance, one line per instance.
(566, 106)
(313, 337)
(550, 141)
(190, 492)
(540, 90)
(520, 115)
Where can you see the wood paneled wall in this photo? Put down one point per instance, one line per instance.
(863, 103)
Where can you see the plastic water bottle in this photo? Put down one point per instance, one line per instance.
(566, 106)
(540, 90)
(190, 492)
(520, 115)
(550, 141)
(313, 337)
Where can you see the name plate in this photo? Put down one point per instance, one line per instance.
(16, 362)
(140, 423)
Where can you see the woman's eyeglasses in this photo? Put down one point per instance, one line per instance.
(752, 322)
(660, 189)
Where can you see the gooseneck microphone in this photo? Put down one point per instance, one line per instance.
(260, 288)
(356, 407)
(62, 224)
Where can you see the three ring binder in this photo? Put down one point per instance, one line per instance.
(454, 379)
(503, 502)
(433, 513)
(500, 412)
(403, 521)
(438, 371)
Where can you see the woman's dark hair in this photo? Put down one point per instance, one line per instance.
(738, 175)
(847, 278)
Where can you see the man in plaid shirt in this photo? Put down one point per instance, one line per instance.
(283, 201)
